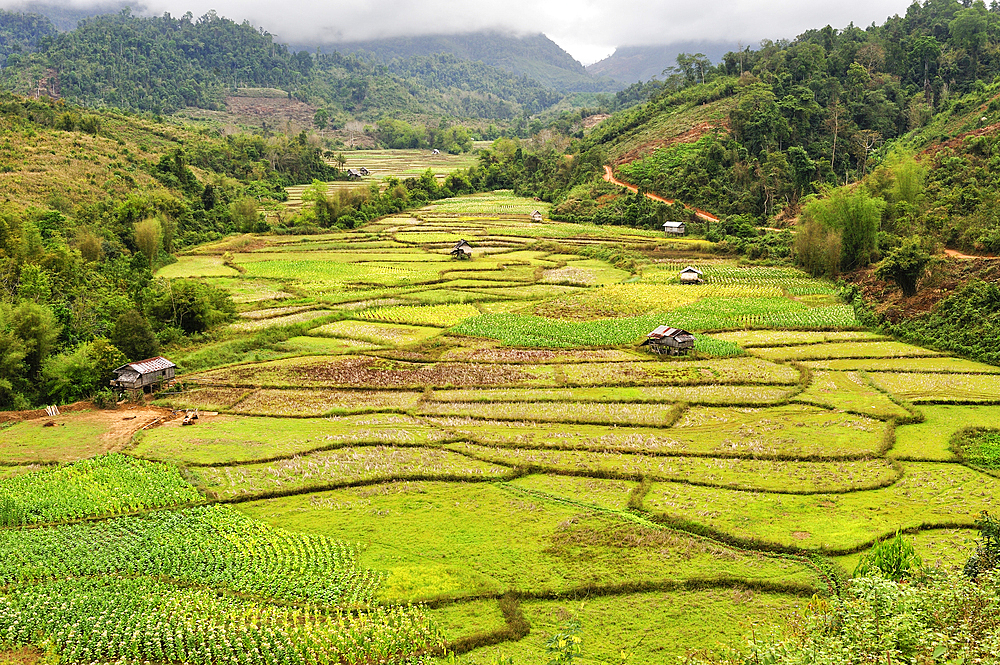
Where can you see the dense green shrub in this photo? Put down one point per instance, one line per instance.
(986, 559)
(190, 305)
(947, 618)
(893, 558)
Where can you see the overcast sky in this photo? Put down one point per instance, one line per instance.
(588, 29)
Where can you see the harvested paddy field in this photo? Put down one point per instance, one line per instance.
(487, 438)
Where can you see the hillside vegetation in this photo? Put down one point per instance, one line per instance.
(92, 202)
(162, 64)
(534, 56)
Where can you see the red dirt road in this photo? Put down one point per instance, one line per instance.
(609, 176)
(955, 254)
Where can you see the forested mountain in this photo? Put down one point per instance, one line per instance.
(20, 33)
(534, 56)
(65, 15)
(163, 63)
(752, 136)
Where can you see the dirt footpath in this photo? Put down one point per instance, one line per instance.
(609, 176)
(118, 425)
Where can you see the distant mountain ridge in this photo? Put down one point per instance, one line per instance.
(630, 64)
(535, 56)
(65, 16)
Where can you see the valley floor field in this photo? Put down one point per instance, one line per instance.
(400, 454)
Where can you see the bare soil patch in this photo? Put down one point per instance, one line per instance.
(592, 121)
(79, 432)
(887, 298)
(276, 111)
(22, 656)
(689, 136)
(956, 141)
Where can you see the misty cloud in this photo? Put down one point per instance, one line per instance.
(588, 29)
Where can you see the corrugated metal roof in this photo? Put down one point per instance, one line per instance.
(690, 269)
(666, 331)
(149, 365)
(673, 225)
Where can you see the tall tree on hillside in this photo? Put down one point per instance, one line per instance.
(968, 30)
(148, 235)
(925, 50)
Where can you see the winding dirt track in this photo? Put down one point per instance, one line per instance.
(955, 254)
(609, 176)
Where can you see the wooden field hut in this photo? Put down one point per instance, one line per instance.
(691, 276)
(461, 250)
(536, 216)
(670, 341)
(353, 174)
(435, 151)
(674, 228)
(364, 171)
(139, 375)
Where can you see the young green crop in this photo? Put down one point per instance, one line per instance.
(144, 619)
(210, 546)
(106, 485)
(442, 316)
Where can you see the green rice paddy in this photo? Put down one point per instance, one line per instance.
(489, 437)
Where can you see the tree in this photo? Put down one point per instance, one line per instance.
(12, 354)
(866, 142)
(325, 208)
(189, 305)
(817, 248)
(208, 197)
(969, 30)
(148, 235)
(106, 358)
(987, 554)
(756, 120)
(925, 50)
(321, 118)
(36, 326)
(871, 56)
(34, 284)
(69, 377)
(803, 170)
(245, 216)
(134, 337)
(856, 215)
(905, 265)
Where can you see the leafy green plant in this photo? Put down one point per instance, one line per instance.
(946, 619)
(987, 554)
(905, 265)
(11, 513)
(104, 399)
(980, 448)
(566, 645)
(895, 559)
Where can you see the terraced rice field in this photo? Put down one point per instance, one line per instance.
(486, 440)
(383, 164)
